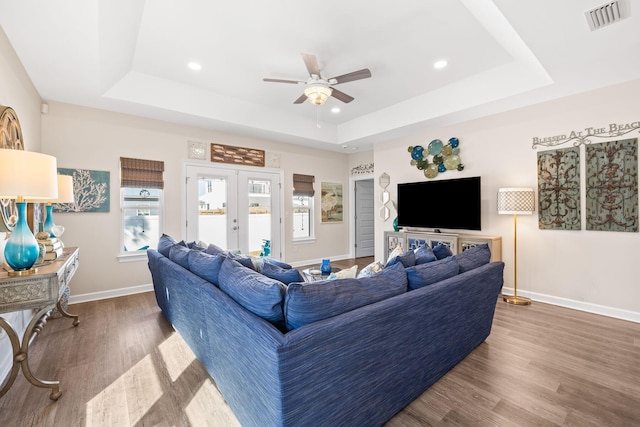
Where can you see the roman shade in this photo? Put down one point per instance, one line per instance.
(303, 185)
(141, 173)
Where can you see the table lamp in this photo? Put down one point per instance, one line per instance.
(516, 201)
(65, 195)
(25, 175)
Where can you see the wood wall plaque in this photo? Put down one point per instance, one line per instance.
(236, 155)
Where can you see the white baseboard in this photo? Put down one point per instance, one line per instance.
(95, 296)
(603, 310)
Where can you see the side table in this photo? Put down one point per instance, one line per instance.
(314, 273)
(40, 292)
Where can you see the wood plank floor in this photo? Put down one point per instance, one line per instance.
(124, 366)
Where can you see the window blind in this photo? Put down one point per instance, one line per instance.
(141, 173)
(303, 185)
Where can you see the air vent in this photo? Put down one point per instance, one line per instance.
(604, 15)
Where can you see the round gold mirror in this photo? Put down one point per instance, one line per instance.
(10, 139)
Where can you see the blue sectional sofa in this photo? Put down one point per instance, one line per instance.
(335, 353)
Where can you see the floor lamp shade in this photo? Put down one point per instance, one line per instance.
(65, 195)
(25, 175)
(516, 201)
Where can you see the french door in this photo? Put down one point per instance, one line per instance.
(236, 209)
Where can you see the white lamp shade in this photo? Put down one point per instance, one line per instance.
(65, 189)
(27, 174)
(516, 201)
(317, 93)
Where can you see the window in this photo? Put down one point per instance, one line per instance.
(141, 212)
(141, 187)
(303, 207)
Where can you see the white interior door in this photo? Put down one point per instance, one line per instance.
(234, 208)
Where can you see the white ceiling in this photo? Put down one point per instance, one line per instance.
(131, 56)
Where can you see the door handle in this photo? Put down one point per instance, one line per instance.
(235, 228)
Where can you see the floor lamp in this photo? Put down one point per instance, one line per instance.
(516, 201)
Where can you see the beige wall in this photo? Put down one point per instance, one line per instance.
(86, 138)
(17, 91)
(587, 267)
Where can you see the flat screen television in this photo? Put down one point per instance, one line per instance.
(447, 203)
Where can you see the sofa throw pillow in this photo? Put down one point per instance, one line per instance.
(244, 260)
(205, 265)
(195, 245)
(474, 257)
(310, 302)
(407, 259)
(431, 272)
(346, 273)
(394, 253)
(285, 275)
(442, 251)
(259, 294)
(165, 243)
(179, 254)
(371, 269)
(214, 249)
(277, 262)
(424, 254)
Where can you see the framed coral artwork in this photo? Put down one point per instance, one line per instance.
(90, 189)
(331, 202)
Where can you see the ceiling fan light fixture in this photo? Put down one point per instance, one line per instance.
(317, 94)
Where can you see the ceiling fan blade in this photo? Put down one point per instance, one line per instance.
(300, 100)
(349, 77)
(341, 96)
(281, 81)
(311, 63)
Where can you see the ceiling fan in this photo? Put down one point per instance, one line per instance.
(318, 89)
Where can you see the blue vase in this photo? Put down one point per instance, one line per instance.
(325, 267)
(48, 222)
(21, 250)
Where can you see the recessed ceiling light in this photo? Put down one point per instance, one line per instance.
(335, 110)
(440, 64)
(195, 66)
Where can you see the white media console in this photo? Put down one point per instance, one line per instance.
(457, 242)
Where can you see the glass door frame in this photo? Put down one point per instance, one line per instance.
(277, 244)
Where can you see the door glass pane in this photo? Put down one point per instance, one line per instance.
(259, 216)
(212, 210)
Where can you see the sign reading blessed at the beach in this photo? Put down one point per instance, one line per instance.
(581, 136)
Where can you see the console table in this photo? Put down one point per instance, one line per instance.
(41, 293)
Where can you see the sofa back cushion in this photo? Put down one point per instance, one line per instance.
(257, 293)
(309, 302)
(179, 254)
(165, 243)
(285, 275)
(474, 257)
(206, 265)
(428, 273)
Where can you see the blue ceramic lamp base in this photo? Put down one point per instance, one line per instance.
(21, 250)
